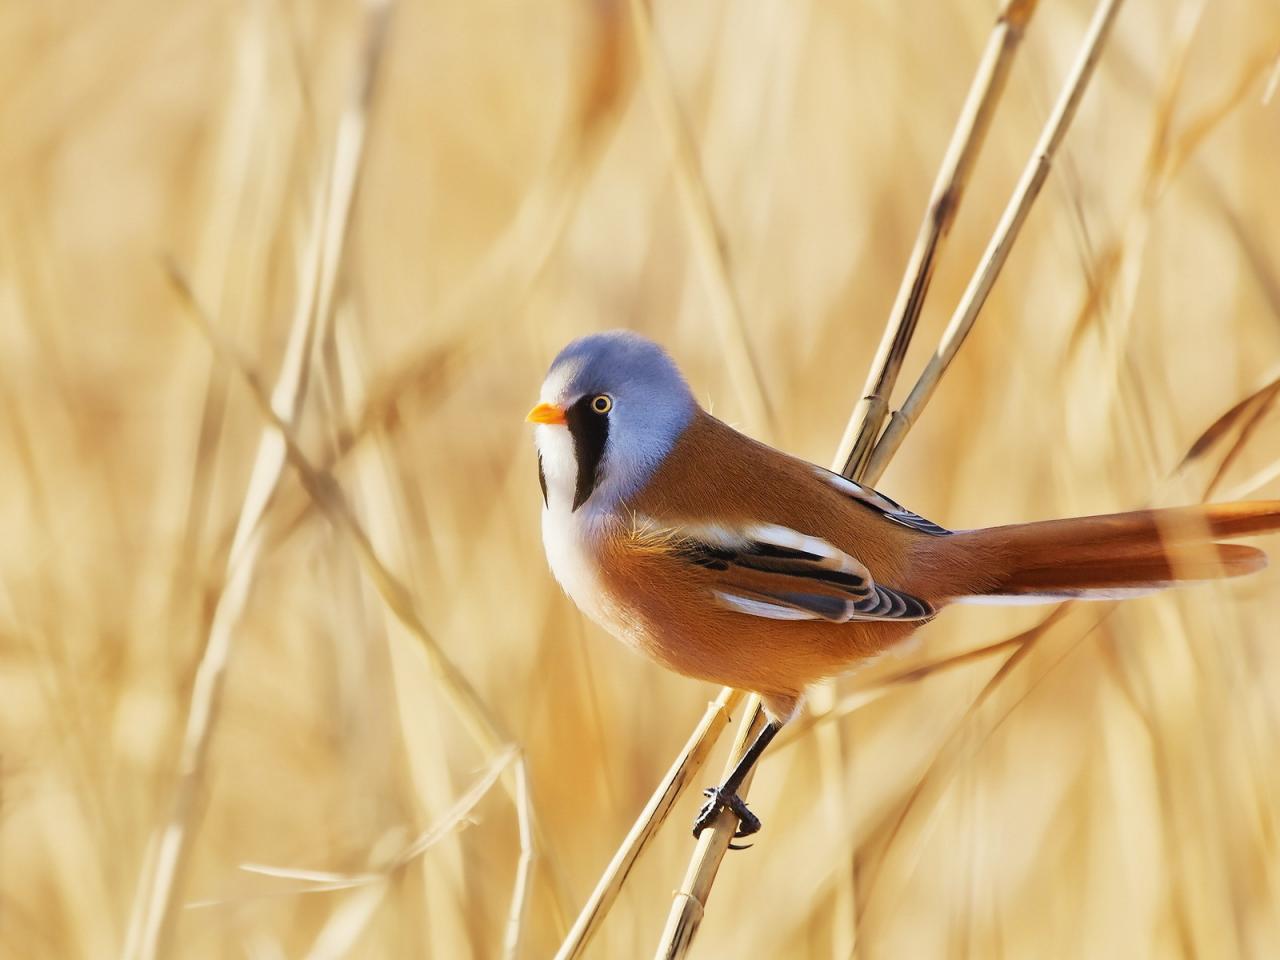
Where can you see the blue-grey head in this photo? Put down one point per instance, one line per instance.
(612, 406)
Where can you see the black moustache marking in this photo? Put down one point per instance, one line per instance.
(542, 482)
(589, 430)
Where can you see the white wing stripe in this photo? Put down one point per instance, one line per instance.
(759, 608)
(780, 536)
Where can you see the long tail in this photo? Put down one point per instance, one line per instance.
(1115, 555)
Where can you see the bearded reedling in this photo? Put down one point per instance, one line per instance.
(727, 560)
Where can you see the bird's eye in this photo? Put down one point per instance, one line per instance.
(602, 403)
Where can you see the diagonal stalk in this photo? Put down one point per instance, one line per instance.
(478, 720)
(686, 765)
(949, 186)
(686, 911)
(1002, 241)
(164, 867)
(708, 237)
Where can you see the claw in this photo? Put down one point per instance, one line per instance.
(719, 799)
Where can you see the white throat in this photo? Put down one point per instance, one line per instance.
(559, 466)
(569, 536)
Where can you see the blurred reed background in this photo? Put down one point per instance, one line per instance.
(442, 194)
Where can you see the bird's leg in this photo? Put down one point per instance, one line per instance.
(726, 796)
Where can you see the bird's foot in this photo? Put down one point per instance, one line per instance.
(720, 799)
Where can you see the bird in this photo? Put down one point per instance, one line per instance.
(726, 560)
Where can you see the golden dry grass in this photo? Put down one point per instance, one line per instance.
(1107, 787)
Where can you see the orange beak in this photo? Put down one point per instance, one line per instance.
(546, 413)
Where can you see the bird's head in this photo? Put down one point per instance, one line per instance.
(611, 407)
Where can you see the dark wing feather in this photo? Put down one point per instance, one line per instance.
(890, 509)
(775, 572)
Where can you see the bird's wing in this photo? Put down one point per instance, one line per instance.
(772, 571)
(889, 509)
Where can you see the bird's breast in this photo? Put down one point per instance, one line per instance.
(570, 539)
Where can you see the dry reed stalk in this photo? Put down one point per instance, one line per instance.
(967, 139)
(866, 690)
(970, 133)
(952, 177)
(513, 264)
(1210, 118)
(686, 911)
(922, 804)
(712, 253)
(744, 374)
(1118, 286)
(344, 926)
(708, 239)
(1264, 401)
(1006, 233)
(86, 490)
(1254, 482)
(690, 900)
(527, 825)
(376, 489)
(677, 779)
(834, 792)
(212, 263)
(324, 881)
(1166, 158)
(467, 703)
(923, 800)
(915, 815)
(1243, 412)
(918, 813)
(366, 644)
(161, 880)
(517, 259)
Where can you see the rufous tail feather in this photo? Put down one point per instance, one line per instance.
(1116, 554)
